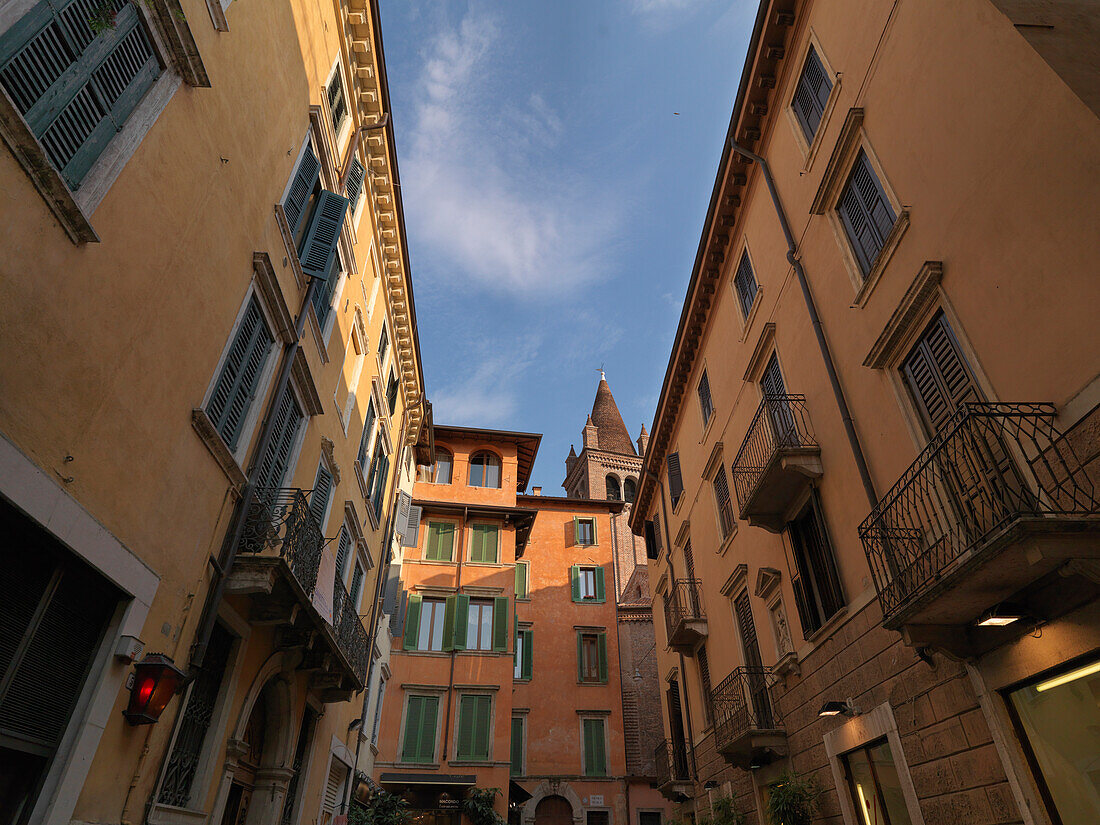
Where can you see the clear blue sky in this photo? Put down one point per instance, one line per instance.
(553, 198)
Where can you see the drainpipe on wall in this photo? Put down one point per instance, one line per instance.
(458, 589)
(819, 332)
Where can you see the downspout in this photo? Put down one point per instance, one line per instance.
(685, 703)
(355, 141)
(460, 556)
(795, 261)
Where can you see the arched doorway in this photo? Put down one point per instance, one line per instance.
(554, 810)
(258, 779)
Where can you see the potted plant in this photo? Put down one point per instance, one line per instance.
(725, 813)
(478, 806)
(380, 808)
(793, 800)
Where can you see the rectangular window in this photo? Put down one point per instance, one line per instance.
(597, 818)
(811, 94)
(817, 588)
(649, 818)
(421, 714)
(484, 542)
(479, 625)
(592, 657)
(440, 544)
(675, 478)
(391, 393)
(321, 495)
(472, 733)
(744, 281)
(595, 747)
(722, 500)
(337, 105)
(432, 613)
(237, 383)
(378, 712)
(368, 432)
(705, 403)
(273, 466)
(874, 785)
(353, 187)
(75, 81)
(383, 345)
(584, 531)
(517, 745)
(865, 212)
(523, 575)
(587, 584)
(376, 482)
(356, 590)
(524, 654)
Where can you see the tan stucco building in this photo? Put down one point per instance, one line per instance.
(871, 496)
(210, 393)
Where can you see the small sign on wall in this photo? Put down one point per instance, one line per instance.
(595, 800)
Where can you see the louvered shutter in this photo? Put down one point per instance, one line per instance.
(705, 402)
(239, 378)
(356, 586)
(288, 416)
(449, 623)
(412, 527)
(775, 391)
(601, 655)
(334, 787)
(601, 587)
(517, 746)
(675, 480)
(589, 749)
(412, 623)
(521, 580)
(322, 293)
(771, 381)
(489, 545)
(464, 736)
(689, 560)
(937, 374)
(477, 543)
(657, 537)
(368, 429)
(743, 608)
(594, 748)
(745, 282)
(343, 549)
(76, 88)
(318, 249)
(427, 728)
(337, 106)
(414, 724)
(812, 94)
(381, 467)
(866, 212)
(500, 624)
(527, 663)
(483, 724)
(305, 179)
(319, 498)
(575, 582)
(580, 657)
(462, 621)
(401, 523)
(391, 393)
(704, 681)
(354, 186)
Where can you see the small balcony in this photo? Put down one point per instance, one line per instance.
(777, 461)
(278, 559)
(747, 728)
(673, 777)
(685, 620)
(996, 511)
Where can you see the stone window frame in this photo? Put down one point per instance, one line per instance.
(863, 730)
(408, 691)
(850, 143)
(179, 56)
(357, 343)
(605, 717)
(810, 149)
(746, 321)
(475, 690)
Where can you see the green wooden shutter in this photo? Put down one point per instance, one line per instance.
(521, 580)
(575, 579)
(414, 715)
(462, 618)
(589, 748)
(449, 623)
(598, 765)
(517, 746)
(354, 187)
(364, 442)
(500, 623)
(483, 724)
(464, 735)
(343, 546)
(576, 530)
(601, 655)
(527, 665)
(601, 591)
(446, 543)
(412, 622)
(595, 536)
(301, 187)
(491, 545)
(318, 250)
(426, 750)
(580, 657)
(356, 586)
(477, 543)
(239, 378)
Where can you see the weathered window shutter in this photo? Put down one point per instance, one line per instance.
(368, 429)
(521, 580)
(401, 522)
(811, 94)
(937, 374)
(412, 527)
(240, 374)
(343, 549)
(500, 624)
(589, 749)
(305, 178)
(595, 757)
(412, 622)
(601, 654)
(527, 665)
(274, 463)
(657, 539)
(483, 723)
(580, 657)
(745, 283)
(517, 746)
(576, 530)
(865, 212)
(354, 187)
(675, 480)
(601, 592)
(319, 498)
(318, 250)
(575, 581)
(462, 619)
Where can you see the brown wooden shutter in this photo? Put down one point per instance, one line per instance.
(675, 479)
(937, 375)
(743, 608)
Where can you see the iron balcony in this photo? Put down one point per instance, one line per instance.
(747, 729)
(685, 620)
(776, 462)
(673, 777)
(997, 509)
(278, 558)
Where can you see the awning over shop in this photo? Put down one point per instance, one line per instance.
(435, 779)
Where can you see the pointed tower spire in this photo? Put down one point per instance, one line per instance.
(643, 440)
(611, 432)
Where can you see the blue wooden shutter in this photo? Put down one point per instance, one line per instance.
(322, 492)
(76, 88)
(273, 466)
(297, 197)
(318, 250)
(322, 295)
(354, 185)
(240, 374)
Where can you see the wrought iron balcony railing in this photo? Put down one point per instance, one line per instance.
(766, 472)
(684, 615)
(671, 761)
(743, 704)
(350, 634)
(990, 465)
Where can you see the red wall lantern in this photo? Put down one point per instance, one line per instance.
(155, 680)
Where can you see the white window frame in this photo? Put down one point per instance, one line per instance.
(591, 523)
(357, 345)
(439, 605)
(482, 605)
(346, 126)
(586, 575)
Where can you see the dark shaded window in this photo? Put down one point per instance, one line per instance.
(817, 589)
(630, 490)
(745, 284)
(613, 491)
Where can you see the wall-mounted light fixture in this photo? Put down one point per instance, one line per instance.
(154, 682)
(710, 785)
(1001, 615)
(845, 708)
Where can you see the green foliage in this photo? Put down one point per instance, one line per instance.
(725, 813)
(381, 808)
(103, 17)
(793, 800)
(478, 806)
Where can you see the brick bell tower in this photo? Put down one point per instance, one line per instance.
(608, 468)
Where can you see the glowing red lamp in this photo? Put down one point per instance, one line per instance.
(155, 681)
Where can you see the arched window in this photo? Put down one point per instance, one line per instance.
(630, 487)
(484, 470)
(613, 491)
(441, 470)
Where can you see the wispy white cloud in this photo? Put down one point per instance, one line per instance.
(488, 394)
(490, 200)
